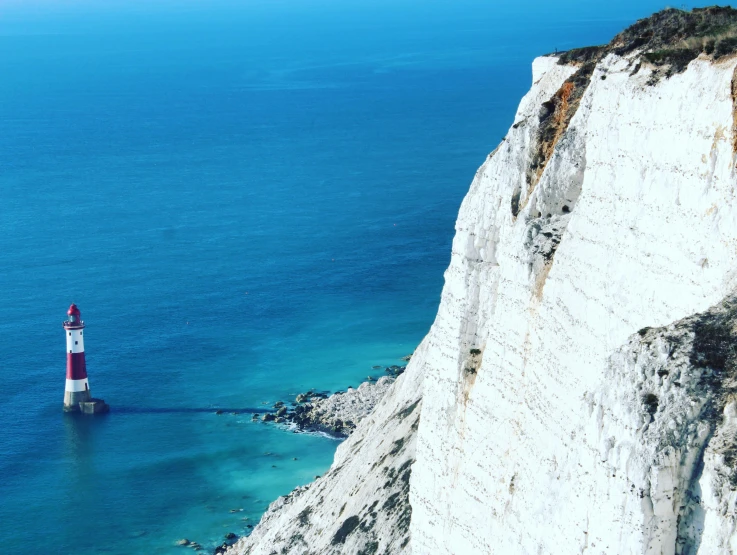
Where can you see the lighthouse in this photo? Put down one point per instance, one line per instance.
(77, 395)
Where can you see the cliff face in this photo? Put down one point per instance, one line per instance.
(564, 439)
(579, 384)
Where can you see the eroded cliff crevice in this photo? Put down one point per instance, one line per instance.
(555, 117)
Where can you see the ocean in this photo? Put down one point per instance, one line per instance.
(246, 200)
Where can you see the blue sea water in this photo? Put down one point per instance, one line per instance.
(246, 200)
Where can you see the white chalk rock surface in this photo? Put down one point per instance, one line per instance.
(632, 223)
(571, 380)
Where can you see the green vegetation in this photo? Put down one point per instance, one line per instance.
(582, 55)
(670, 39)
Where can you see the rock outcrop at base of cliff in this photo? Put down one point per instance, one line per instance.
(361, 505)
(339, 413)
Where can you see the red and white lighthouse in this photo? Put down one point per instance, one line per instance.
(77, 388)
(77, 395)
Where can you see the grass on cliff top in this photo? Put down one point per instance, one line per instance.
(670, 38)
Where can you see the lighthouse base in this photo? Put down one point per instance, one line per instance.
(94, 406)
(72, 399)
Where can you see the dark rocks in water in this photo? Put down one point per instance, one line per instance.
(336, 414)
(406, 358)
(231, 536)
(254, 416)
(182, 542)
(218, 411)
(395, 370)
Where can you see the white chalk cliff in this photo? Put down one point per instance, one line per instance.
(577, 392)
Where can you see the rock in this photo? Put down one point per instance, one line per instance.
(278, 404)
(230, 536)
(218, 412)
(254, 416)
(336, 414)
(182, 542)
(268, 417)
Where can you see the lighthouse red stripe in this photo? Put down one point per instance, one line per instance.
(76, 367)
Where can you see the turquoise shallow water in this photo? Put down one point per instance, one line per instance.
(246, 200)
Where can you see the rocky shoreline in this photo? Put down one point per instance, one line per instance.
(336, 414)
(230, 539)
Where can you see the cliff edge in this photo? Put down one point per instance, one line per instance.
(577, 392)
